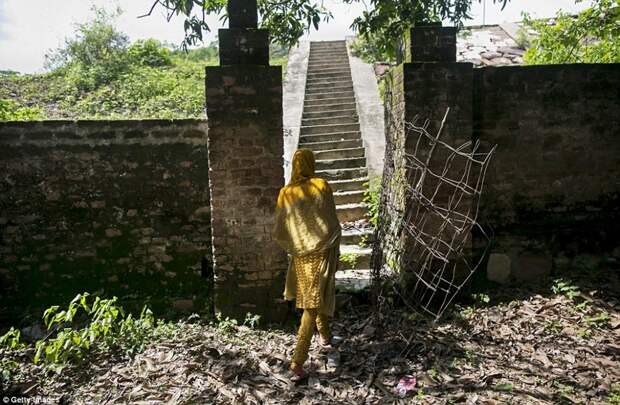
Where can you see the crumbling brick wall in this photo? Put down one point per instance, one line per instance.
(120, 207)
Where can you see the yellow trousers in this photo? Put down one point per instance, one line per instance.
(304, 335)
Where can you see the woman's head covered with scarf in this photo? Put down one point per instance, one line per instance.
(303, 166)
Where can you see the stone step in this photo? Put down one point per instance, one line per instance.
(328, 42)
(321, 88)
(327, 80)
(325, 145)
(331, 113)
(339, 75)
(326, 55)
(326, 101)
(329, 95)
(339, 153)
(330, 137)
(355, 237)
(353, 280)
(328, 50)
(323, 107)
(348, 184)
(350, 212)
(348, 163)
(323, 65)
(343, 174)
(345, 119)
(349, 197)
(330, 69)
(328, 129)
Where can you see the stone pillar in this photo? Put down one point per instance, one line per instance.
(245, 146)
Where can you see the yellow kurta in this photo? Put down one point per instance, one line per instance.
(307, 227)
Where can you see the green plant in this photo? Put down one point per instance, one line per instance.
(481, 298)
(11, 340)
(592, 36)
(8, 369)
(613, 397)
(383, 22)
(372, 199)
(553, 326)
(363, 241)
(504, 387)
(96, 55)
(564, 287)
(349, 258)
(149, 52)
(251, 320)
(104, 324)
(226, 325)
(601, 320)
(11, 111)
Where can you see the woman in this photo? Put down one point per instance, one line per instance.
(308, 229)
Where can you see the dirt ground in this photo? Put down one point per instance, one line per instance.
(558, 343)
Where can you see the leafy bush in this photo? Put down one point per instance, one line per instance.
(593, 36)
(96, 55)
(11, 340)
(11, 111)
(105, 324)
(149, 52)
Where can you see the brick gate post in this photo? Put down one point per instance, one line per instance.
(245, 147)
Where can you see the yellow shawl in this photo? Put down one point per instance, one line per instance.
(306, 222)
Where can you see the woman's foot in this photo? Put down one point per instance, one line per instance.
(325, 342)
(298, 374)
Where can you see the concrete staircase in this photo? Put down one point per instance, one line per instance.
(330, 127)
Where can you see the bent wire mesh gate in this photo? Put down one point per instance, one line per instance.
(428, 208)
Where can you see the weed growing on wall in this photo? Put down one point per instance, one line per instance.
(371, 198)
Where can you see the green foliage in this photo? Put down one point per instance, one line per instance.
(11, 111)
(96, 56)
(148, 52)
(593, 36)
(563, 287)
(105, 325)
(504, 387)
(349, 258)
(11, 340)
(613, 397)
(8, 369)
(143, 80)
(251, 320)
(371, 198)
(384, 24)
(226, 325)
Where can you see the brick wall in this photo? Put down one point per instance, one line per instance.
(116, 206)
(551, 193)
(552, 189)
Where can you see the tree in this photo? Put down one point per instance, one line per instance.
(592, 36)
(287, 20)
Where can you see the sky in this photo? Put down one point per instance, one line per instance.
(30, 28)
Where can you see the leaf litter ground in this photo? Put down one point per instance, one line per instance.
(524, 347)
